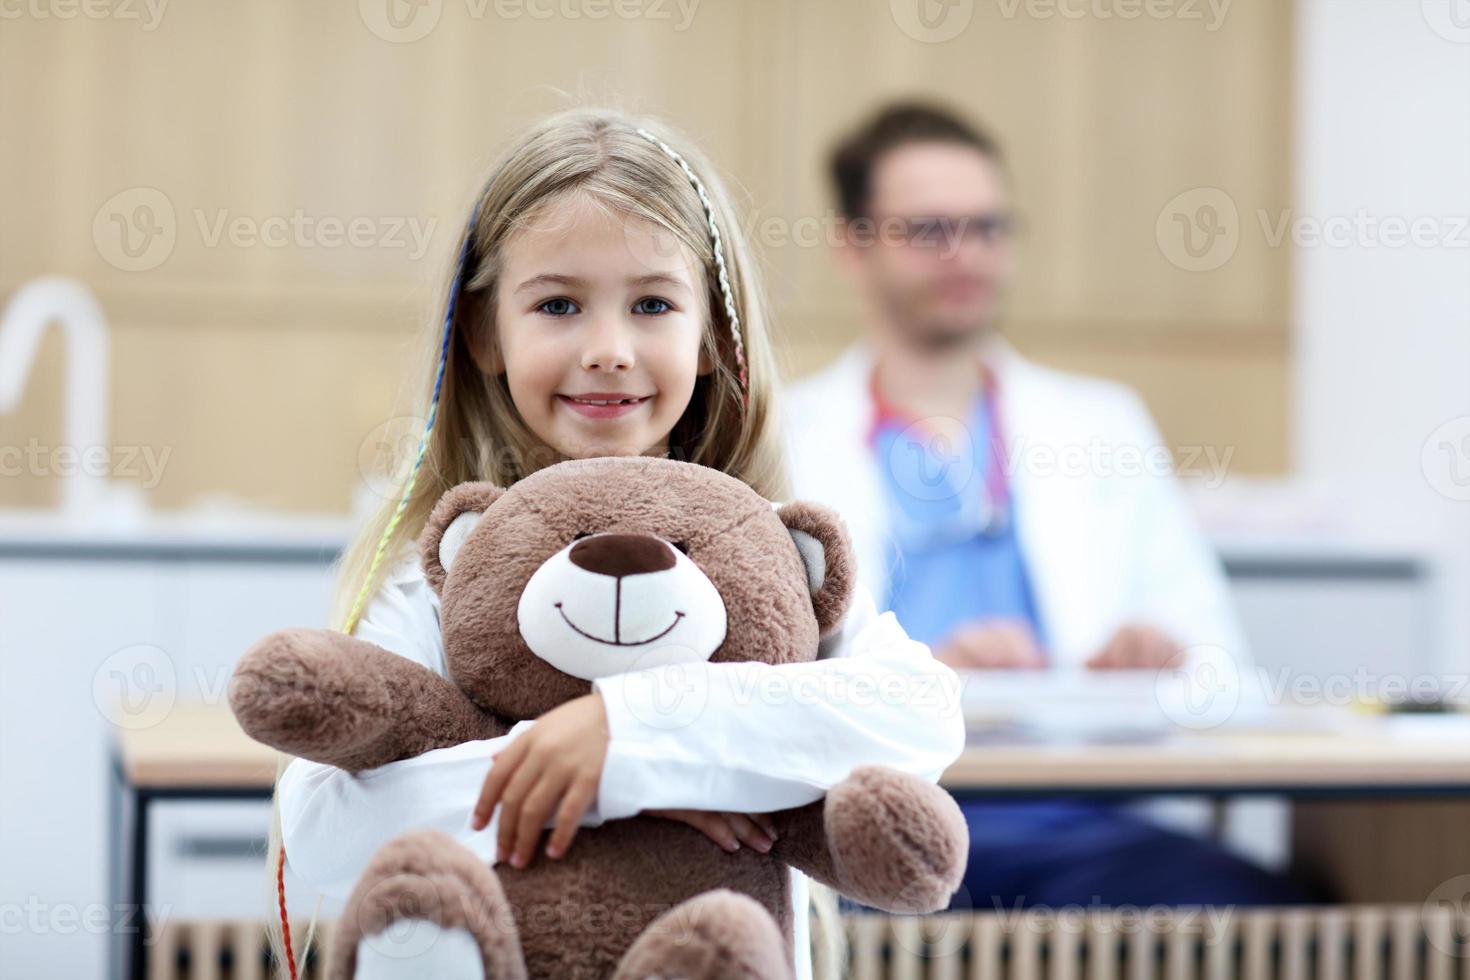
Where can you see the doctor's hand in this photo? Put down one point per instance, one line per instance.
(1136, 647)
(996, 644)
(555, 766)
(729, 830)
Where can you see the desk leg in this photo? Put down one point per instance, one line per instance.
(117, 835)
(1373, 851)
(138, 887)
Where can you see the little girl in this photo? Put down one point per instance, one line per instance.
(606, 303)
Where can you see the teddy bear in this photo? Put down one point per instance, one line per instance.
(582, 569)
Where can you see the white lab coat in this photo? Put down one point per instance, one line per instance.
(1104, 542)
(745, 737)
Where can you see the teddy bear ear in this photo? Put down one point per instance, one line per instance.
(821, 541)
(453, 517)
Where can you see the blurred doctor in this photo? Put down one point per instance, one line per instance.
(1013, 516)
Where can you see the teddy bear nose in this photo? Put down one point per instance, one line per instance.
(619, 555)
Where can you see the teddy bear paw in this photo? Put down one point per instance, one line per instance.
(426, 907)
(900, 843)
(719, 935)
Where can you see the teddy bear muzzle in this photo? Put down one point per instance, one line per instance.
(612, 603)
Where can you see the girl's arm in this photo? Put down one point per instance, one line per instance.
(753, 737)
(332, 821)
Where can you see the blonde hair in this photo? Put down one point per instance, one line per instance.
(477, 434)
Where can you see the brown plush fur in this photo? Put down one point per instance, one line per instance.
(635, 897)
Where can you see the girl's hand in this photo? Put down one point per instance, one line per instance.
(555, 766)
(729, 830)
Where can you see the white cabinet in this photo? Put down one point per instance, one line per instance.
(83, 623)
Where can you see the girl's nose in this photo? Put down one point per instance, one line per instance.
(609, 346)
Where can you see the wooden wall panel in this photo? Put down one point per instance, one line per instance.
(250, 361)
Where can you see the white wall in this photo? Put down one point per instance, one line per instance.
(1382, 385)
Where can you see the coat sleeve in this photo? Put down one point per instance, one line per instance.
(1176, 582)
(754, 737)
(332, 822)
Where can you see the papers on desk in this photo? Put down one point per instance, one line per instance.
(1078, 705)
(1075, 705)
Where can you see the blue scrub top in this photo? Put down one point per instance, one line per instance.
(953, 555)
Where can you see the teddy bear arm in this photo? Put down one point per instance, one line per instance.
(801, 841)
(887, 839)
(335, 699)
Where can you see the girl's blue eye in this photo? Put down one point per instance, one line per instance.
(561, 306)
(642, 306)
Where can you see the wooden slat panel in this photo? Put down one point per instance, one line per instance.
(1026, 946)
(985, 949)
(319, 115)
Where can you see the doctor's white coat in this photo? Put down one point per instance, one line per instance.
(1103, 527)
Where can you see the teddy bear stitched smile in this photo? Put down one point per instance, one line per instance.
(622, 600)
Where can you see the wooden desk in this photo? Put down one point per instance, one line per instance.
(196, 752)
(196, 746)
(1381, 818)
(1368, 760)
(1377, 816)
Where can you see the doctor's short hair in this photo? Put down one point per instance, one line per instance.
(896, 125)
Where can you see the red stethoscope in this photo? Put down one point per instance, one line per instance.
(929, 513)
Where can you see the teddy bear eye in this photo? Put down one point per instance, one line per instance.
(581, 534)
(681, 545)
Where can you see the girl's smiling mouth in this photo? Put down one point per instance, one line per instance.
(603, 404)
